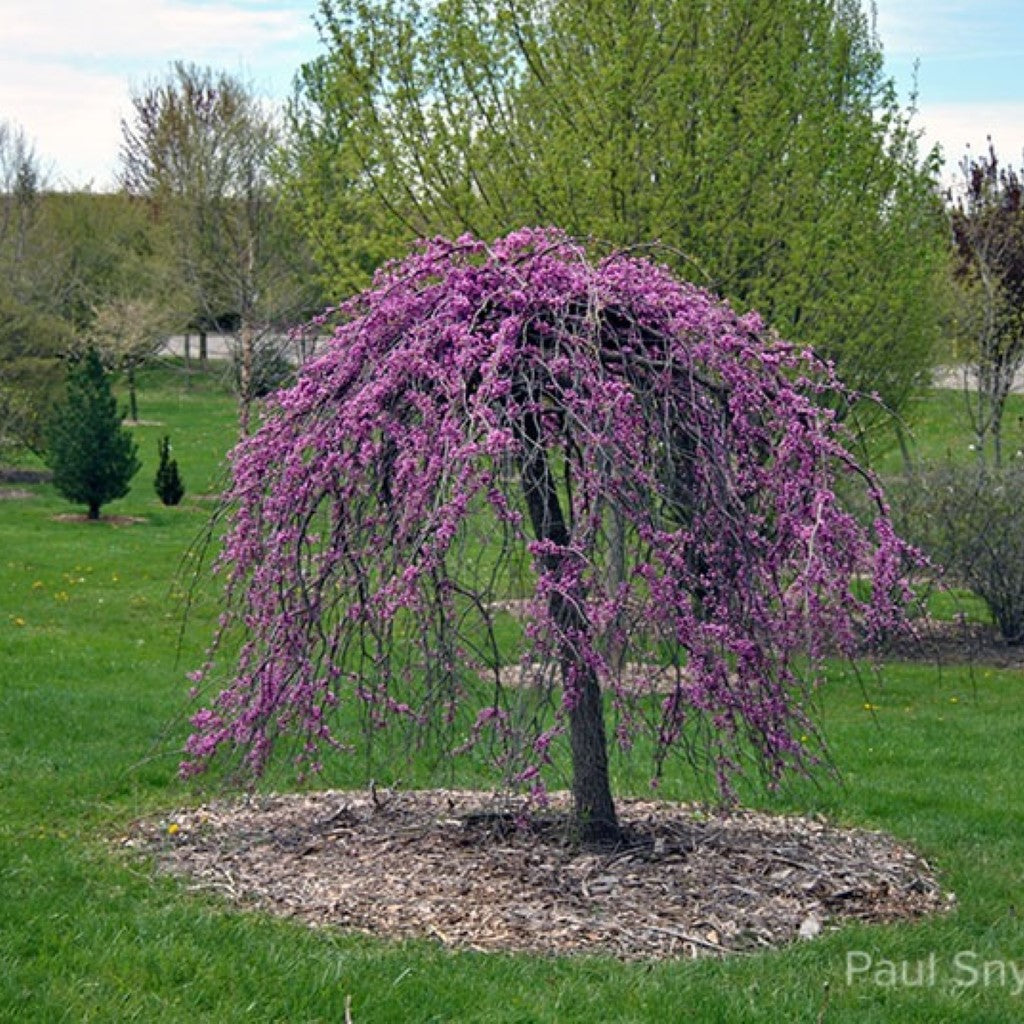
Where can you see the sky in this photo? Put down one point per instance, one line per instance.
(68, 68)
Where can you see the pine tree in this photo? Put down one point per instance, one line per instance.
(168, 482)
(92, 456)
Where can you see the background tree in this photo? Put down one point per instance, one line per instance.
(481, 418)
(62, 255)
(92, 456)
(32, 336)
(967, 519)
(21, 182)
(87, 248)
(128, 333)
(199, 147)
(760, 140)
(988, 233)
(30, 371)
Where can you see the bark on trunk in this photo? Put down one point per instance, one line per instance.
(245, 377)
(596, 820)
(133, 400)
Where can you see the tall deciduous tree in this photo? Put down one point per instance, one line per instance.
(481, 419)
(92, 456)
(31, 342)
(21, 180)
(988, 232)
(32, 335)
(200, 145)
(759, 139)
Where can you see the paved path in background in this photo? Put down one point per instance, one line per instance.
(953, 377)
(218, 346)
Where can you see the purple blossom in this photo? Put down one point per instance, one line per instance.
(380, 514)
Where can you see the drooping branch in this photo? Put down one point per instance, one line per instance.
(511, 421)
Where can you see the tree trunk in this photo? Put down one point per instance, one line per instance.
(204, 353)
(997, 431)
(94, 511)
(245, 376)
(596, 820)
(133, 400)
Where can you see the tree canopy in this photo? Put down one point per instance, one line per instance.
(652, 473)
(61, 256)
(31, 335)
(199, 148)
(759, 139)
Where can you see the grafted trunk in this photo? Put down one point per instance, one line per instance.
(596, 820)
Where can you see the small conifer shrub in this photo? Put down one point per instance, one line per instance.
(168, 483)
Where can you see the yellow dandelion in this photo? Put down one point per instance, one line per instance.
(954, 700)
(18, 620)
(870, 707)
(38, 585)
(173, 829)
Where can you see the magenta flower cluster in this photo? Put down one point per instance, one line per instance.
(686, 458)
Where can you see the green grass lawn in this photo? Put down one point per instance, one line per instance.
(938, 430)
(92, 704)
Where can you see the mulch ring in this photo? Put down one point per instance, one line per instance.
(954, 643)
(108, 520)
(21, 475)
(456, 866)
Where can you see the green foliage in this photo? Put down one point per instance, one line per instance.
(62, 256)
(85, 249)
(968, 520)
(30, 371)
(31, 335)
(168, 483)
(760, 143)
(92, 456)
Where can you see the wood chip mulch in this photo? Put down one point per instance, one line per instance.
(465, 870)
(109, 520)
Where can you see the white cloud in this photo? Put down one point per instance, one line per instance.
(67, 68)
(957, 126)
(73, 117)
(152, 29)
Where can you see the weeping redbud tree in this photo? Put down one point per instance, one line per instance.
(651, 476)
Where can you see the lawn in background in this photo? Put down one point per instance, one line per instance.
(937, 429)
(92, 705)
